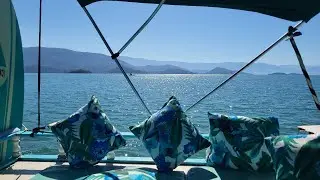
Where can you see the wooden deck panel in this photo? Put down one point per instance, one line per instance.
(23, 170)
(51, 170)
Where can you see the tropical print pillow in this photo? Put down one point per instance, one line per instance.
(124, 174)
(238, 142)
(169, 136)
(296, 157)
(87, 135)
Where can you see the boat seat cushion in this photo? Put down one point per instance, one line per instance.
(169, 136)
(87, 135)
(296, 157)
(238, 142)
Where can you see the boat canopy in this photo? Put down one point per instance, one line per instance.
(292, 10)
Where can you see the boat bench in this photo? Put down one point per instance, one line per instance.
(52, 170)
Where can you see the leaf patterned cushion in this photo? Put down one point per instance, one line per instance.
(169, 136)
(87, 135)
(296, 157)
(125, 174)
(238, 142)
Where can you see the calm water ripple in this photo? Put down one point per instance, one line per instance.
(284, 96)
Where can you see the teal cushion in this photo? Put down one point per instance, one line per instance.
(169, 136)
(127, 174)
(87, 135)
(238, 142)
(296, 157)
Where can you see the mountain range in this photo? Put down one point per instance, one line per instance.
(58, 60)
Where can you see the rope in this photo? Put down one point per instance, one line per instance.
(38, 128)
(142, 27)
(114, 57)
(303, 68)
(25, 128)
(247, 65)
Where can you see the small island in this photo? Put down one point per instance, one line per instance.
(295, 74)
(278, 73)
(128, 70)
(80, 71)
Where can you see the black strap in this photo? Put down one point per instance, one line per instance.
(292, 33)
(39, 61)
(38, 128)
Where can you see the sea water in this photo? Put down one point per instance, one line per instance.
(286, 97)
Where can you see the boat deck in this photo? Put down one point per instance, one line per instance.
(50, 170)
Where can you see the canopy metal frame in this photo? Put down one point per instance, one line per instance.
(115, 56)
(288, 34)
(291, 33)
(292, 10)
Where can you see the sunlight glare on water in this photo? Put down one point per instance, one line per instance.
(286, 97)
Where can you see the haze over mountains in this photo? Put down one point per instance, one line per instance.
(59, 60)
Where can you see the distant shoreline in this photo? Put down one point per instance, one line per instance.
(134, 74)
(80, 71)
(64, 60)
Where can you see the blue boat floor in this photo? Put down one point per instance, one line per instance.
(51, 170)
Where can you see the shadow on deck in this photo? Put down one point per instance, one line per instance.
(51, 170)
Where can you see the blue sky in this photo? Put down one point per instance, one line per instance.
(189, 34)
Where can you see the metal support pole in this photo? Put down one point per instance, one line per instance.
(98, 30)
(247, 65)
(142, 27)
(114, 57)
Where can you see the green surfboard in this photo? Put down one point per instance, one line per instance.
(11, 76)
